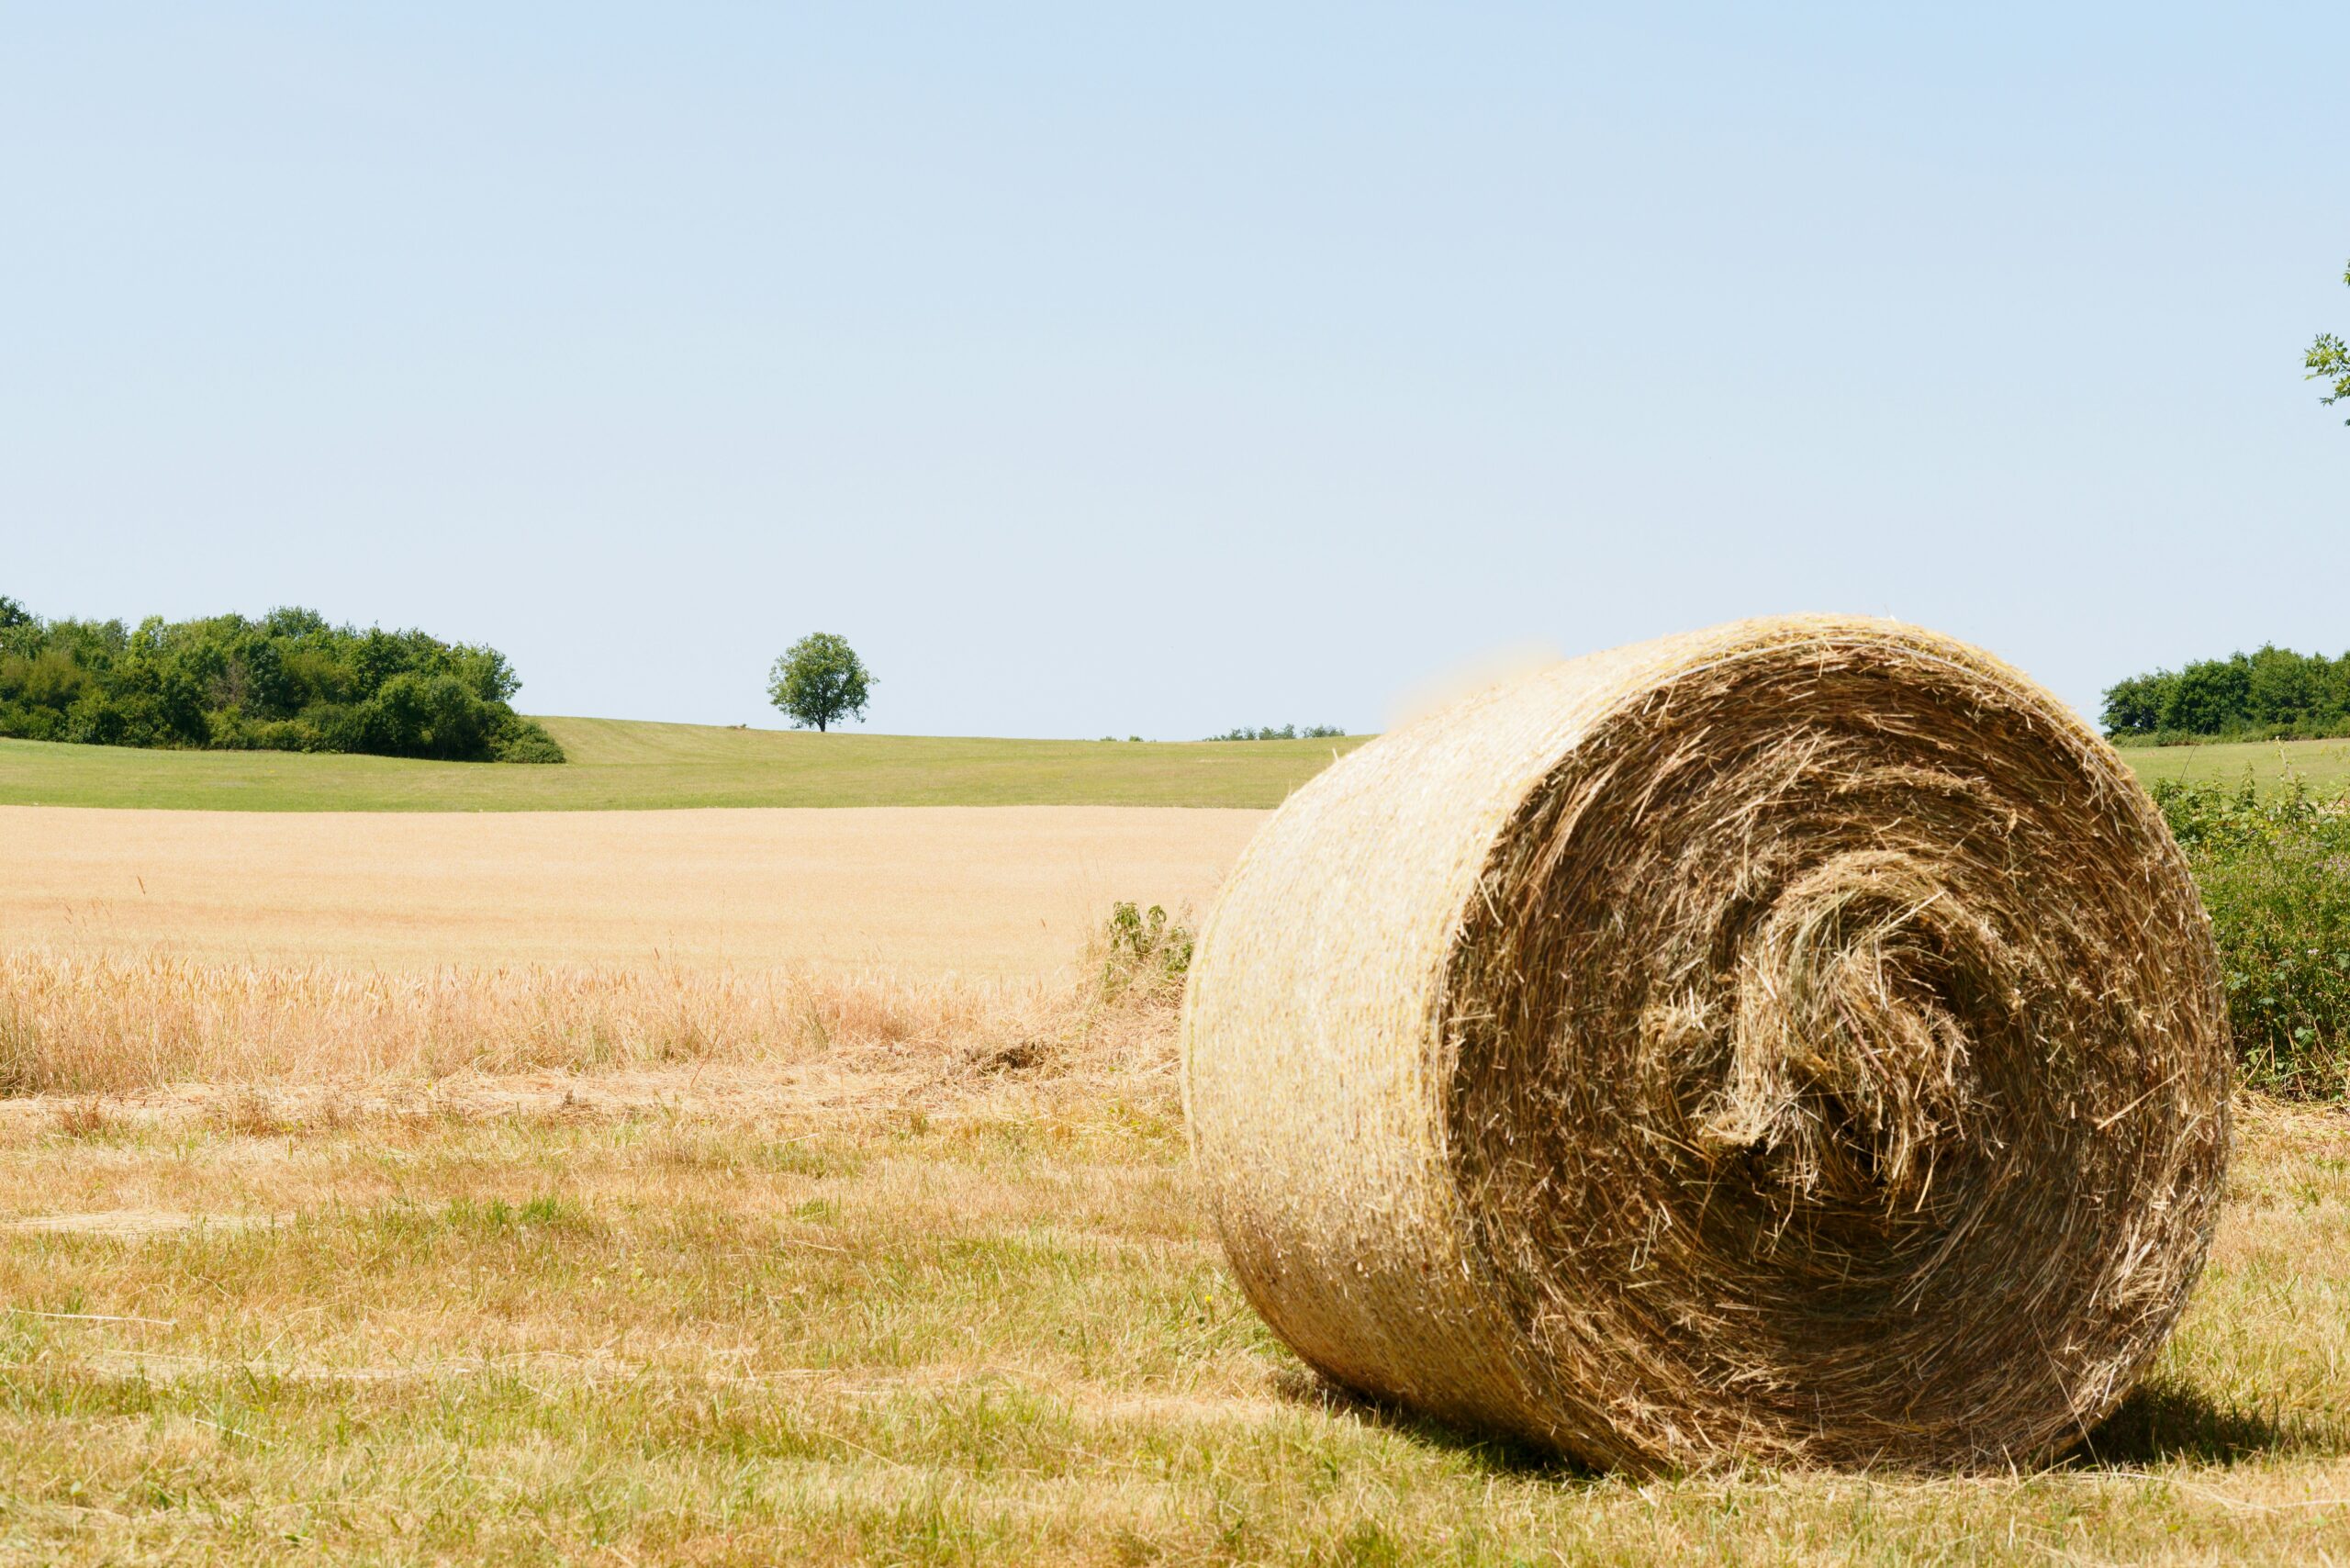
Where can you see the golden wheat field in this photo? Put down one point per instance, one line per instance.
(925, 891)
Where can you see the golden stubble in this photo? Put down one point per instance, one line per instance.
(914, 892)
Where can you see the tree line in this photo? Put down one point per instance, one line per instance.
(2273, 694)
(289, 682)
(1286, 732)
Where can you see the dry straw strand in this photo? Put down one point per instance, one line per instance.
(1795, 1041)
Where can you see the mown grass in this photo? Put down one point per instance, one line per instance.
(923, 1278)
(620, 765)
(642, 1323)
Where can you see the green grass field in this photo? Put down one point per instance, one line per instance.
(2325, 764)
(624, 765)
(618, 765)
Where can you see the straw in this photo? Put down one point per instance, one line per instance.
(1798, 1041)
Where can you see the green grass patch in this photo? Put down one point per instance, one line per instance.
(2271, 765)
(620, 765)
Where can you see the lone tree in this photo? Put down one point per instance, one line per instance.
(820, 681)
(2330, 357)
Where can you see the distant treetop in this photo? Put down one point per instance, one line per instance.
(1286, 732)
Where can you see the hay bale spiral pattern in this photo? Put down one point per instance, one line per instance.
(1796, 1041)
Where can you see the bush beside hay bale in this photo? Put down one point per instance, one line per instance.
(2274, 874)
(1795, 1041)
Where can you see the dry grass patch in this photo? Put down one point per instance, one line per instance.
(113, 1024)
(942, 1297)
(881, 1316)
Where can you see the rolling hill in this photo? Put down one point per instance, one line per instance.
(626, 765)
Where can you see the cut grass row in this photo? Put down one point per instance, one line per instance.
(618, 765)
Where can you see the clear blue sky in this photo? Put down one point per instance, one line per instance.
(1096, 371)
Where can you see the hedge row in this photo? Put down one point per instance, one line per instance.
(289, 682)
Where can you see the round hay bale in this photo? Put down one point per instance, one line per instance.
(1798, 1041)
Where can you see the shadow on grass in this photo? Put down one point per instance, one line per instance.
(2162, 1421)
(2159, 1422)
(1501, 1455)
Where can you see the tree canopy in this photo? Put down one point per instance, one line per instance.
(2273, 694)
(820, 681)
(289, 682)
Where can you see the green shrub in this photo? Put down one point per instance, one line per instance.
(524, 740)
(2274, 874)
(1145, 948)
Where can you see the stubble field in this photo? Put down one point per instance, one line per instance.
(915, 892)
